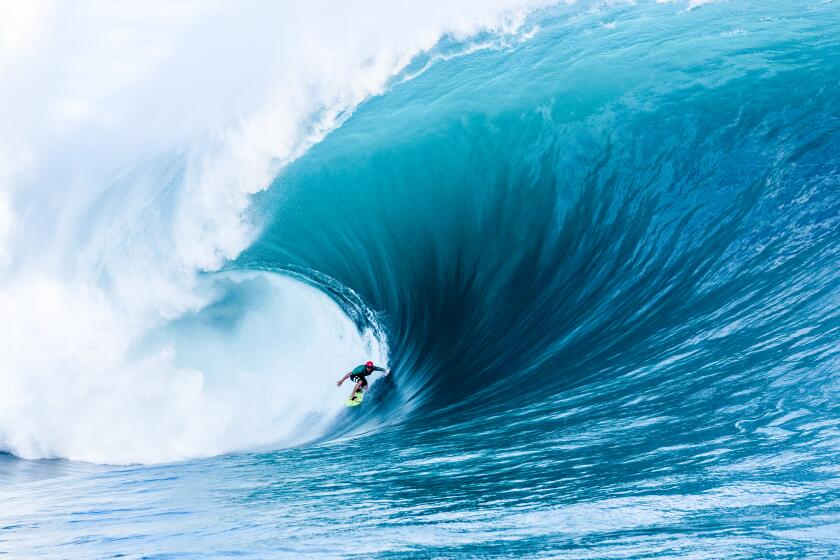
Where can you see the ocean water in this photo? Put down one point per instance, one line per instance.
(598, 245)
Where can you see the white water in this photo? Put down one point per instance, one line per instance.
(132, 139)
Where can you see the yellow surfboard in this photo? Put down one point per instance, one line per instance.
(357, 399)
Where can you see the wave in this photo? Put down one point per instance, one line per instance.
(603, 208)
(628, 210)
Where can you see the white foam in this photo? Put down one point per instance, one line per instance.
(265, 374)
(692, 4)
(133, 137)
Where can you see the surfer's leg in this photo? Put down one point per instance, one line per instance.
(355, 388)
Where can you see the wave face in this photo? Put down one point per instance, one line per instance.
(600, 253)
(649, 217)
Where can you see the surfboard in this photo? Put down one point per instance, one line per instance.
(358, 400)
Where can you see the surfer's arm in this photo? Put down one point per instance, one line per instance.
(343, 379)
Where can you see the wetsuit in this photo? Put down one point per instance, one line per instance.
(360, 372)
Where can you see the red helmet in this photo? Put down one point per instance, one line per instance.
(369, 364)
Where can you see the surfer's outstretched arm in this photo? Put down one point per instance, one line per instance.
(343, 379)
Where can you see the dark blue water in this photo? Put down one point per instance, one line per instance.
(607, 260)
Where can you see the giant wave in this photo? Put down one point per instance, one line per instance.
(596, 242)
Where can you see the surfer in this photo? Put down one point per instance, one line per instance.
(358, 375)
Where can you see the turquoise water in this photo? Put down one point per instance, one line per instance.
(604, 253)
